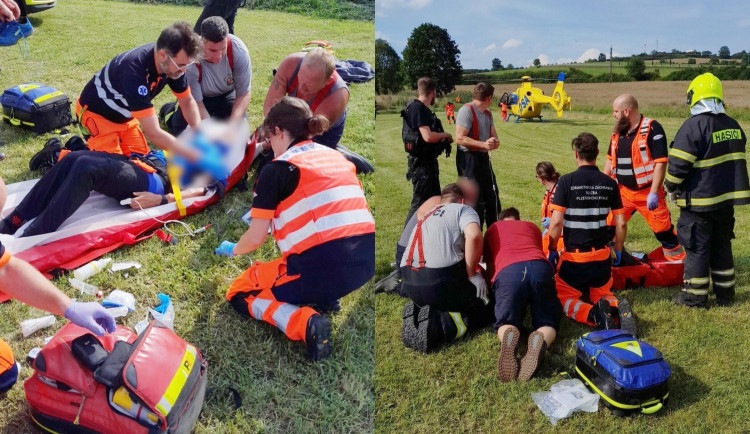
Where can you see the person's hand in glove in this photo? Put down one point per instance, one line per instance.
(481, 285)
(652, 201)
(545, 222)
(553, 257)
(91, 316)
(618, 258)
(226, 248)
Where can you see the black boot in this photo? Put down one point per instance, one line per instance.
(47, 157)
(602, 315)
(390, 283)
(627, 319)
(690, 300)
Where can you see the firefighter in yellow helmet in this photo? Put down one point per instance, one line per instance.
(707, 176)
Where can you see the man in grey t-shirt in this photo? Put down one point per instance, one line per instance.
(220, 83)
(441, 274)
(476, 136)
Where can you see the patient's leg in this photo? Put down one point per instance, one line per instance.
(109, 174)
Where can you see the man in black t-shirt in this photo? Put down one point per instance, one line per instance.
(582, 201)
(423, 165)
(637, 159)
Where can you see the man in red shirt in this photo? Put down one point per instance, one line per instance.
(521, 276)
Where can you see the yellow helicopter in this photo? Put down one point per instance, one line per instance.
(527, 101)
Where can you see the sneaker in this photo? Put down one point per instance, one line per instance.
(318, 338)
(390, 283)
(627, 320)
(603, 315)
(429, 329)
(533, 357)
(690, 300)
(47, 157)
(409, 327)
(12, 31)
(507, 365)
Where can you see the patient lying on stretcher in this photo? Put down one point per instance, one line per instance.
(67, 185)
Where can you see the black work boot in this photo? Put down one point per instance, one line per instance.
(390, 283)
(47, 157)
(690, 300)
(627, 319)
(409, 327)
(724, 296)
(318, 338)
(602, 314)
(429, 329)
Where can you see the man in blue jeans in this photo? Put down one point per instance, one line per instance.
(521, 277)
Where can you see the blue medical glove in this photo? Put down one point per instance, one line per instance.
(618, 258)
(545, 222)
(91, 316)
(652, 201)
(553, 258)
(225, 249)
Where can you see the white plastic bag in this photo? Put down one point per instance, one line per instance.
(118, 298)
(564, 398)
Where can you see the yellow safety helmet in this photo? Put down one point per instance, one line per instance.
(704, 86)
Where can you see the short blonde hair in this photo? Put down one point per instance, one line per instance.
(321, 58)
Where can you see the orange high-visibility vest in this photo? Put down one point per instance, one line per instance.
(643, 164)
(328, 203)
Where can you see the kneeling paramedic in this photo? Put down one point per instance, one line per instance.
(19, 280)
(708, 175)
(521, 276)
(441, 274)
(582, 201)
(321, 223)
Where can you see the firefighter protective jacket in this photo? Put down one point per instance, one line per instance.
(707, 163)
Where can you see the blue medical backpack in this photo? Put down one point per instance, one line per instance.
(36, 107)
(630, 375)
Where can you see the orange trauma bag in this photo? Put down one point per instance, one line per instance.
(652, 270)
(117, 383)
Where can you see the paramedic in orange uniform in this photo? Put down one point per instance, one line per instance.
(19, 280)
(548, 177)
(321, 223)
(637, 159)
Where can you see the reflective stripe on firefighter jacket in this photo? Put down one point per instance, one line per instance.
(327, 205)
(643, 164)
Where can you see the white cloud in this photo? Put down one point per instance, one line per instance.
(489, 47)
(411, 4)
(544, 59)
(591, 53)
(564, 60)
(512, 43)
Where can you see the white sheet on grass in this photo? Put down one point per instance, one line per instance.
(100, 211)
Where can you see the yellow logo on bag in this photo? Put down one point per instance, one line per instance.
(631, 346)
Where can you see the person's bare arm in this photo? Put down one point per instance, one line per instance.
(202, 110)
(239, 108)
(278, 85)
(473, 247)
(144, 199)
(621, 231)
(190, 110)
(607, 167)
(555, 229)
(333, 105)
(254, 236)
(21, 281)
(164, 140)
(660, 171)
(430, 136)
(463, 139)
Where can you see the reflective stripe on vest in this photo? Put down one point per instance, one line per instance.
(643, 165)
(328, 203)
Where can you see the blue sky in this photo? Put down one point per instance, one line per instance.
(517, 32)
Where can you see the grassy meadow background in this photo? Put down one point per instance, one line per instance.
(281, 390)
(457, 390)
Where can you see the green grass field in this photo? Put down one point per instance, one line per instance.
(457, 390)
(281, 390)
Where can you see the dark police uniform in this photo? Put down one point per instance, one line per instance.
(708, 170)
(586, 197)
(423, 170)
